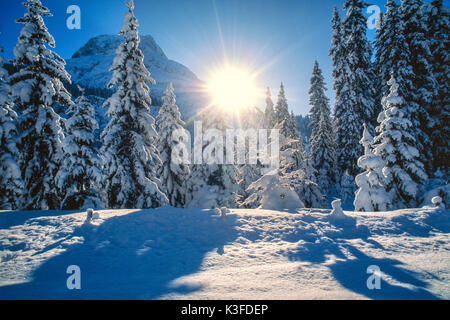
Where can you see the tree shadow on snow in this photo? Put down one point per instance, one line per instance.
(10, 219)
(135, 256)
(351, 273)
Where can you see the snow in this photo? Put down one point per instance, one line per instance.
(170, 253)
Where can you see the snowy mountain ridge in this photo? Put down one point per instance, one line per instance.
(89, 67)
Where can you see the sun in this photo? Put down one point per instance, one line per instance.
(233, 89)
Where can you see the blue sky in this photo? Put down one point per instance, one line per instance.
(282, 38)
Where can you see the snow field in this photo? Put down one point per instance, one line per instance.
(170, 253)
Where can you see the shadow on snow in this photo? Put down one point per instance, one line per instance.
(135, 256)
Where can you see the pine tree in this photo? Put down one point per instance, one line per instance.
(438, 31)
(11, 184)
(37, 86)
(322, 138)
(80, 173)
(174, 174)
(396, 145)
(422, 77)
(347, 121)
(130, 157)
(269, 114)
(371, 195)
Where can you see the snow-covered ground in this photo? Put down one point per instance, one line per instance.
(172, 253)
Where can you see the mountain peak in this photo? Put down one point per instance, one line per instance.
(106, 44)
(90, 67)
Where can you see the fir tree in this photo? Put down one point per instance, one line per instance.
(80, 174)
(394, 57)
(322, 138)
(213, 183)
(392, 53)
(270, 118)
(174, 174)
(396, 145)
(293, 127)
(37, 86)
(130, 157)
(347, 121)
(11, 184)
(438, 31)
(337, 53)
(282, 112)
(422, 77)
(359, 53)
(371, 195)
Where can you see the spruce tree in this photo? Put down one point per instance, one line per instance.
(396, 145)
(293, 126)
(422, 77)
(322, 139)
(371, 195)
(392, 53)
(11, 185)
(213, 183)
(37, 86)
(80, 174)
(174, 173)
(438, 34)
(360, 81)
(269, 114)
(282, 112)
(346, 118)
(130, 158)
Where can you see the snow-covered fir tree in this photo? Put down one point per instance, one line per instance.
(80, 174)
(396, 145)
(337, 53)
(308, 191)
(308, 167)
(393, 57)
(322, 138)
(36, 87)
(282, 112)
(371, 195)
(270, 119)
(213, 182)
(392, 52)
(359, 53)
(424, 83)
(174, 172)
(347, 121)
(251, 120)
(438, 26)
(293, 127)
(271, 192)
(11, 185)
(130, 158)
